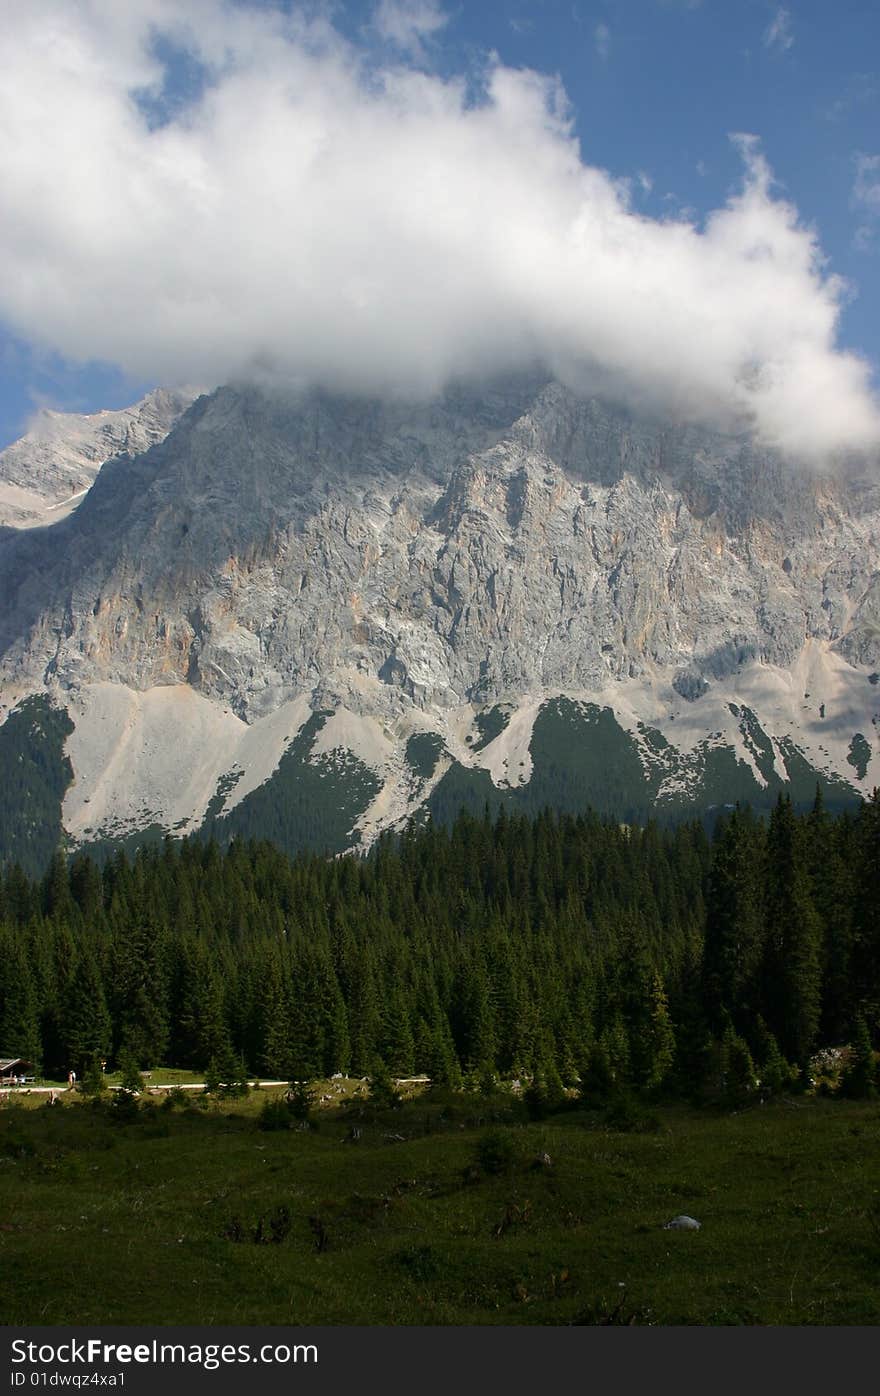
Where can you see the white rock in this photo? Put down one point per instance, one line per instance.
(406, 566)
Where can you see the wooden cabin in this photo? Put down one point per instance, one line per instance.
(14, 1068)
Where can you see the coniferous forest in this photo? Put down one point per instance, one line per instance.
(558, 949)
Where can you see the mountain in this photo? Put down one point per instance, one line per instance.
(310, 618)
(45, 474)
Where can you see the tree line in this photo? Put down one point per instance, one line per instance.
(557, 948)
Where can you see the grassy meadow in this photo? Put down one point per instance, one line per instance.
(447, 1209)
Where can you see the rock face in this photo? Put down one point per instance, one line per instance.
(45, 474)
(414, 570)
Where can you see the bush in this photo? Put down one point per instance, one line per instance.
(383, 1091)
(275, 1114)
(737, 1069)
(92, 1084)
(131, 1079)
(176, 1099)
(487, 1084)
(496, 1151)
(123, 1107)
(775, 1072)
(858, 1079)
(597, 1078)
(545, 1094)
(300, 1099)
(627, 1115)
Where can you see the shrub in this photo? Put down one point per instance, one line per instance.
(597, 1078)
(131, 1079)
(92, 1084)
(383, 1091)
(496, 1151)
(300, 1099)
(275, 1114)
(858, 1079)
(176, 1099)
(123, 1107)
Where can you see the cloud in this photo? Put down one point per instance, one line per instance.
(778, 33)
(860, 90)
(602, 40)
(407, 23)
(308, 215)
(866, 200)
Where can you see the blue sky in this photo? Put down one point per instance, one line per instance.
(656, 89)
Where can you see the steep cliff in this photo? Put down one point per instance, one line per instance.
(553, 600)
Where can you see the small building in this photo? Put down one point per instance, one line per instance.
(12, 1069)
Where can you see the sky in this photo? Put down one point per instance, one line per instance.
(674, 203)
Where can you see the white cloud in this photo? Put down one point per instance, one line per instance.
(378, 231)
(779, 33)
(860, 90)
(602, 40)
(407, 23)
(866, 200)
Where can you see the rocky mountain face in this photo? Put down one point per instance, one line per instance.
(340, 613)
(44, 475)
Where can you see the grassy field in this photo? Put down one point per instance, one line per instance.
(441, 1211)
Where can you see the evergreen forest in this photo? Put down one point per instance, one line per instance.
(559, 949)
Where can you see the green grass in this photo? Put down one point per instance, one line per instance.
(161, 1076)
(154, 1220)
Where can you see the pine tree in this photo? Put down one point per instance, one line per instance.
(597, 1077)
(476, 1035)
(92, 1083)
(130, 1076)
(443, 1066)
(660, 1037)
(396, 1046)
(19, 1010)
(859, 1080)
(832, 897)
(57, 900)
(734, 924)
(737, 1070)
(792, 967)
(614, 1041)
(774, 1071)
(202, 1030)
(140, 987)
(865, 982)
(273, 1030)
(363, 1015)
(86, 1028)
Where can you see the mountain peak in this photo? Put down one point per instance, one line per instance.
(445, 573)
(45, 474)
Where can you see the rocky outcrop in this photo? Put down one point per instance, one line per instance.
(404, 563)
(44, 475)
